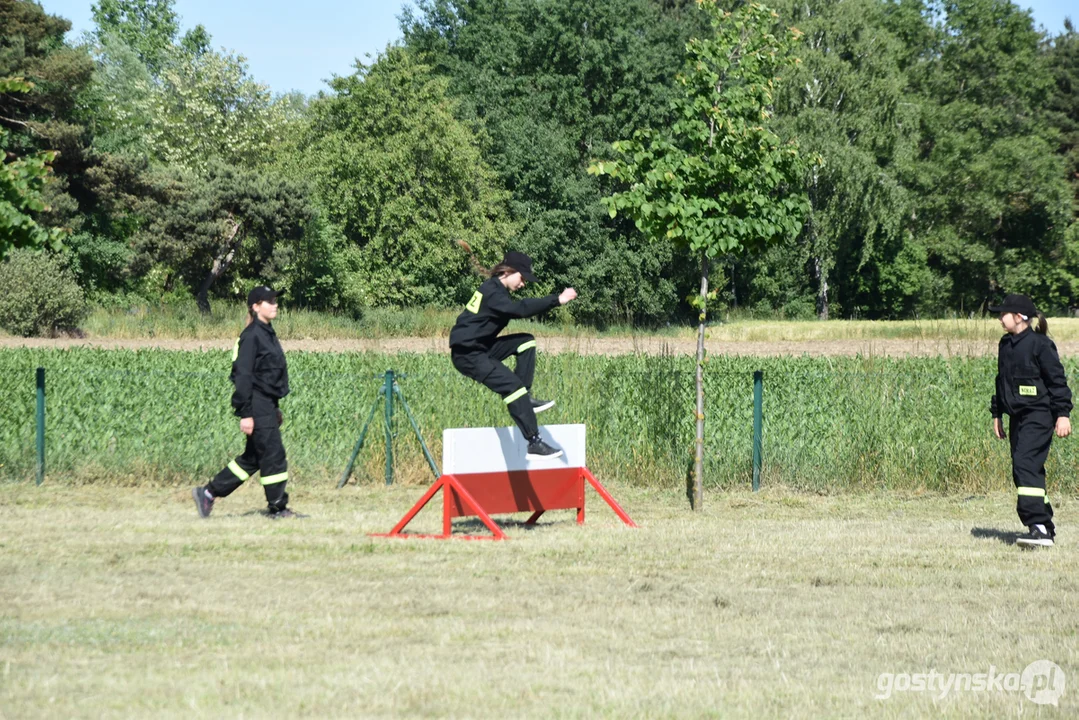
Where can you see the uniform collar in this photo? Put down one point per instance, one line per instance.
(1018, 337)
(267, 327)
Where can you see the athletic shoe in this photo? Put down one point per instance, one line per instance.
(539, 450)
(284, 514)
(204, 502)
(1037, 537)
(539, 406)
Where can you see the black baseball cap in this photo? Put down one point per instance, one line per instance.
(262, 293)
(521, 263)
(1015, 304)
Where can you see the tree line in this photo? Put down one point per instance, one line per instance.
(942, 141)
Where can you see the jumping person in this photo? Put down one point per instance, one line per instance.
(478, 353)
(1032, 390)
(260, 376)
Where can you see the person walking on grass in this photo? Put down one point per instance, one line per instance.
(260, 376)
(478, 352)
(1032, 390)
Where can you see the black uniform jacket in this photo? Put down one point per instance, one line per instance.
(489, 311)
(1030, 376)
(258, 371)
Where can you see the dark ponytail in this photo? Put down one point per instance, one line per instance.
(1042, 328)
(497, 271)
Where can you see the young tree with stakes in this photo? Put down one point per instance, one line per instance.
(719, 180)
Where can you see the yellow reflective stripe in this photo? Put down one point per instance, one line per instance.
(474, 304)
(526, 346)
(236, 350)
(513, 396)
(274, 479)
(1031, 492)
(238, 471)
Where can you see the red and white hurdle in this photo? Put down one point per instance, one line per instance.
(485, 473)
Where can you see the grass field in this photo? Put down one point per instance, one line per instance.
(121, 603)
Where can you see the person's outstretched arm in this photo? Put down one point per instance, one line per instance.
(527, 307)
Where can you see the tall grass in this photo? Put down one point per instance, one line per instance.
(830, 423)
(183, 321)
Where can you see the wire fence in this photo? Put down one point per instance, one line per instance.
(829, 424)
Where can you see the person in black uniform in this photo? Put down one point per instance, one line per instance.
(478, 353)
(1032, 390)
(260, 376)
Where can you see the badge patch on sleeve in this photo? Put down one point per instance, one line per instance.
(474, 304)
(1028, 390)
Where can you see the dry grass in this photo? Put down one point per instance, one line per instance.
(120, 603)
(976, 329)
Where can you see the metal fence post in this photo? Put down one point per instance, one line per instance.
(40, 425)
(758, 423)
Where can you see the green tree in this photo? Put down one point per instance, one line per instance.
(404, 180)
(46, 117)
(149, 27)
(549, 85)
(848, 102)
(22, 183)
(199, 107)
(992, 205)
(1064, 104)
(196, 230)
(720, 180)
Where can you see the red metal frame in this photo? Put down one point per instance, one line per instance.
(484, 494)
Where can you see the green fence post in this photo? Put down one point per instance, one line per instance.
(359, 443)
(388, 392)
(40, 425)
(758, 423)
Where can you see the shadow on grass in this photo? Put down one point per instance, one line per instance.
(475, 525)
(1006, 537)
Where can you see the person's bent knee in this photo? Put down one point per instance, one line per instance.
(528, 343)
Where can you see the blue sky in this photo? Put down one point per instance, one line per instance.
(293, 45)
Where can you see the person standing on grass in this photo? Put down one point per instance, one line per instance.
(478, 352)
(260, 376)
(1032, 390)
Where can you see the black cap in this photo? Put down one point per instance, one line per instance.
(521, 263)
(262, 293)
(1016, 304)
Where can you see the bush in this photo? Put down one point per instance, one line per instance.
(38, 295)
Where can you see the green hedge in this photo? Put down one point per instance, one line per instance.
(830, 423)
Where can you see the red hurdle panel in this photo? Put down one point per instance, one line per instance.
(520, 491)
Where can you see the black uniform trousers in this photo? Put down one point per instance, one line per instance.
(1030, 434)
(264, 454)
(512, 385)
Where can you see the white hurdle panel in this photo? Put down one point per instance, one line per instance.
(503, 449)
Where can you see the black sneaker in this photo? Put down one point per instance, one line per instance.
(539, 406)
(1037, 537)
(539, 450)
(203, 503)
(284, 514)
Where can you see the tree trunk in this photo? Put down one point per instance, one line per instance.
(698, 459)
(822, 288)
(819, 267)
(222, 261)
